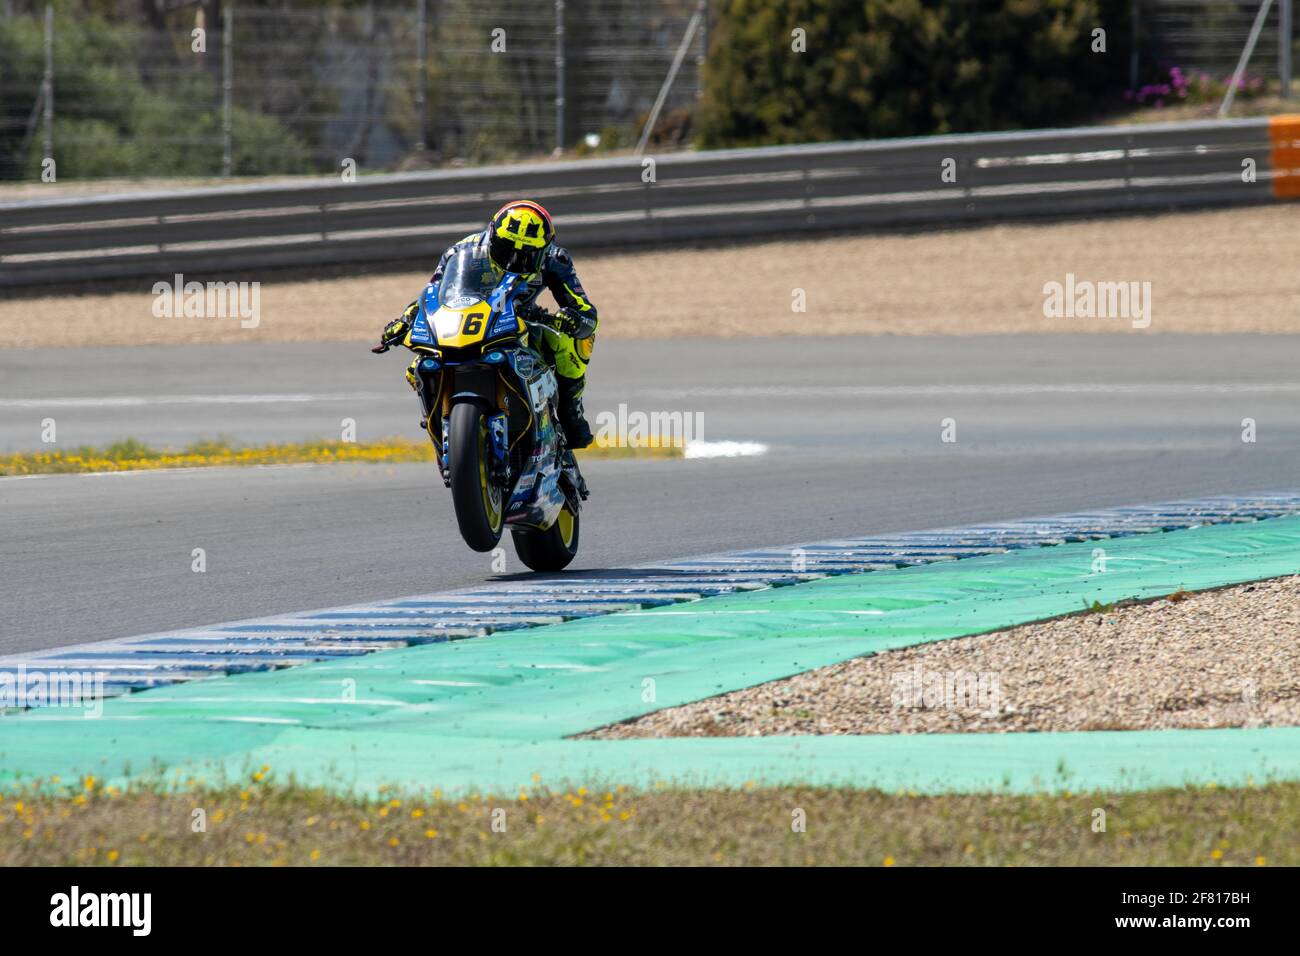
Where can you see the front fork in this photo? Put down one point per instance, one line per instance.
(498, 449)
(497, 423)
(499, 442)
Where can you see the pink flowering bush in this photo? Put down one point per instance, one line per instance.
(1197, 87)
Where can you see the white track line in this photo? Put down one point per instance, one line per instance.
(1010, 389)
(136, 401)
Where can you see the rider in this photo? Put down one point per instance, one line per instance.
(520, 238)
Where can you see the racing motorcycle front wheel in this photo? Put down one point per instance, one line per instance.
(479, 501)
(552, 549)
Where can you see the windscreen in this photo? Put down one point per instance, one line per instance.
(466, 279)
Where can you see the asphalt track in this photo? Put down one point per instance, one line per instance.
(1043, 425)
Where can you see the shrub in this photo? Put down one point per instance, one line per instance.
(876, 68)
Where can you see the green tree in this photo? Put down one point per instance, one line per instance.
(129, 100)
(878, 68)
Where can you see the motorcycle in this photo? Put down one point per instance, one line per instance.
(490, 400)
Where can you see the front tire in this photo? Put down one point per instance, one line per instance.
(480, 507)
(552, 549)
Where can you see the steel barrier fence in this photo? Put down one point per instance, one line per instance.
(676, 198)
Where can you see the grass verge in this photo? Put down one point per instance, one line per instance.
(132, 455)
(264, 823)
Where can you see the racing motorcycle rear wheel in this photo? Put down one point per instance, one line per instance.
(479, 501)
(552, 549)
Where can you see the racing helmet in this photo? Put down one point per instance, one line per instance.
(519, 236)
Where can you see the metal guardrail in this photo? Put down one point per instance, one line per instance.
(731, 194)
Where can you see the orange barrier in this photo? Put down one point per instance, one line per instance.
(1284, 132)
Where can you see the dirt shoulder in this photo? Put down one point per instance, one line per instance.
(1209, 272)
(1224, 658)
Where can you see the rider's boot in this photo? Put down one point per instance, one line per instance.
(571, 469)
(573, 419)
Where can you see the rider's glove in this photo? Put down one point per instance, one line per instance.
(574, 324)
(396, 330)
(531, 312)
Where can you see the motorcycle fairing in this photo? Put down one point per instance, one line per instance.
(420, 333)
(538, 497)
(465, 314)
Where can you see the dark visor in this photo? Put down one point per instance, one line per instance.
(525, 259)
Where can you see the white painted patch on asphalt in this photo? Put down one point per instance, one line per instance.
(724, 449)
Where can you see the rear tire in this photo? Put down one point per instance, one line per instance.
(552, 549)
(480, 508)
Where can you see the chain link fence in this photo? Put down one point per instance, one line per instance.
(202, 88)
(166, 88)
(1207, 35)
